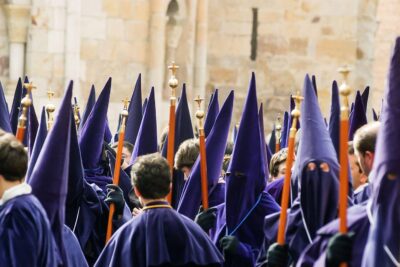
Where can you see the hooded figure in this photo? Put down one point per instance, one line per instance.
(284, 130)
(50, 182)
(183, 131)
(317, 173)
(135, 113)
(32, 122)
(215, 149)
(357, 116)
(364, 97)
(14, 112)
(334, 119)
(4, 115)
(212, 113)
(272, 141)
(246, 201)
(383, 241)
(146, 141)
(89, 106)
(91, 141)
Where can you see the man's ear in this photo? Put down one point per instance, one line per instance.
(369, 156)
(137, 193)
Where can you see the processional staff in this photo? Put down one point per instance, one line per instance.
(25, 103)
(50, 108)
(278, 134)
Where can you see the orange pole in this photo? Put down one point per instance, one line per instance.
(117, 169)
(171, 144)
(20, 133)
(286, 185)
(203, 170)
(344, 130)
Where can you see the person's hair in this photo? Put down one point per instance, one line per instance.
(13, 158)
(229, 148)
(187, 154)
(276, 160)
(151, 176)
(225, 163)
(350, 148)
(365, 138)
(127, 145)
(163, 138)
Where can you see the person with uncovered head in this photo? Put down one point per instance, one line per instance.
(178, 240)
(186, 156)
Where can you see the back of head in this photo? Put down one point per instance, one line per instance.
(187, 154)
(365, 138)
(276, 160)
(13, 158)
(151, 176)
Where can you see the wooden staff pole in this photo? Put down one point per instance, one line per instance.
(117, 167)
(289, 162)
(25, 103)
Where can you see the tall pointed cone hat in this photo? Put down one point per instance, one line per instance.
(4, 115)
(49, 182)
(383, 246)
(107, 133)
(146, 141)
(144, 105)
(89, 106)
(314, 82)
(212, 113)
(358, 117)
(318, 188)
(364, 96)
(262, 138)
(334, 119)
(272, 141)
(183, 131)
(215, 148)
(284, 130)
(14, 113)
(40, 138)
(92, 133)
(374, 115)
(246, 171)
(135, 113)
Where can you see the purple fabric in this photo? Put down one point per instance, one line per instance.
(50, 182)
(364, 97)
(357, 117)
(275, 189)
(89, 106)
(212, 113)
(25, 234)
(107, 133)
(75, 257)
(362, 195)
(264, 152)
(160, 237)
(217, 194)
(284, 130)
(314, 82)
(334, 119)
(215, 149)
(272, 142)
(183, 131)
(4, 115)
(146, 141)
(14, 112)
(357, 223)
(92, 133)
(40, 138)
(383, 234)
(135, 112)
(374, 115)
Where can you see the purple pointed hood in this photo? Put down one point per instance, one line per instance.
(284, 130)
(4, 115)
(314, 83)
(40, 138)
(135, 113)
(357, 117)
(364, 96)
(384, 242)
(215, 148)
(107, 133)
(89, 106)
(14, 113)
(49, 178)
(318, 189)
(212, 113)
(374, 115)
(264, 151)
(146, 141)
(272, 141)
(92, 133)
(246, 172)
(334, 119)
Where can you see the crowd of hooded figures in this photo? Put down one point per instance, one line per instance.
(58, 198)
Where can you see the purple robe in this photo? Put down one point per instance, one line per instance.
(160, 236)
(216, 196)
(73, 252)
(275, 189)
(26, 238)
(357, 222)
(362, 194)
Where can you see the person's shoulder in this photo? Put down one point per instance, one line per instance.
(23, 204)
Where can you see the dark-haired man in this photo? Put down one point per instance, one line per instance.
(25, 234)
(159, 236)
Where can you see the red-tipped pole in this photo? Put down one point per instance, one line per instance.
(25, 103)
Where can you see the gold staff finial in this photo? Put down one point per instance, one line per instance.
(345, 89)
(50, 108)
(124, 113)
(296, 112)
(76, 113)
(278, 127)
(200, 113)
(173, 81)
(25, 103)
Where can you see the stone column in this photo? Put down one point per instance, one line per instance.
(200, 65)
(156, 55)
(18, 18)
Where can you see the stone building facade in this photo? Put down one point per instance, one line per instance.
(216, 44)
